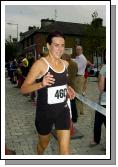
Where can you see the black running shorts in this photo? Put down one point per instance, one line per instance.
(45, 120)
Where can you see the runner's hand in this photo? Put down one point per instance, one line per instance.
(48, 80)
(70, 93)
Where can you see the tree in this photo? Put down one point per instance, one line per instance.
(95, 37)
(10, 50)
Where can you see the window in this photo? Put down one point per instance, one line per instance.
(45, 49)
(68, 51)
(77, 41)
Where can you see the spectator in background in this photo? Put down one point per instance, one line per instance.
(25, 68)
(72, 72)
(82, 62)
(86, 75)
(31, 60)
(9, 66)
(99, 117)
(12, 66)
(22, 71)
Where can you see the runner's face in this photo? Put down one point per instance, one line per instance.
(57, 47)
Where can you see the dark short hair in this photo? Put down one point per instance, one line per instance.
(54, 34)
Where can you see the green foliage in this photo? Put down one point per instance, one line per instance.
(94, 40)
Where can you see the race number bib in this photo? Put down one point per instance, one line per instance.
(57, 94)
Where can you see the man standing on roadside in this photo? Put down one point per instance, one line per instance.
(82, 63)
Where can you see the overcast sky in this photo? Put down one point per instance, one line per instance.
(31, 15)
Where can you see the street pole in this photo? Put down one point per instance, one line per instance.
(17, 32)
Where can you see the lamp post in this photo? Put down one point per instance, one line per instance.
(17, 28)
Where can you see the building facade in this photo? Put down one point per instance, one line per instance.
(92, 37)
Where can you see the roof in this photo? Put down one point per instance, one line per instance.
(66, 28)
(28, 33)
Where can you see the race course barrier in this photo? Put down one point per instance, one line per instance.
(91, 104)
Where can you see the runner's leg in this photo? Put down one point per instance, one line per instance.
(43, 143)
(63, 137)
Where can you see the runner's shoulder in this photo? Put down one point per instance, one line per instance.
(65, 63)
(40, 63)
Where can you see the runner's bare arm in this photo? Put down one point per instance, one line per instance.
(38, 69)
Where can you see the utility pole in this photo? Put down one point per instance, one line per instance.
(55, 14)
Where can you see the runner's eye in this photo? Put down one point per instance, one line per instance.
(56, 45)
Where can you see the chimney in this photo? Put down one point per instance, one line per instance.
(31, 28)
(46, 22)
(97, 22)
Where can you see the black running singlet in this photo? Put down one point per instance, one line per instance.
(54, 96)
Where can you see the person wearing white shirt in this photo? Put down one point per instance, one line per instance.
(82, 62)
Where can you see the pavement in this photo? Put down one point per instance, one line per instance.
(21, 134)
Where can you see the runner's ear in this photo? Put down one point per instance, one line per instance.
(48, 46)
